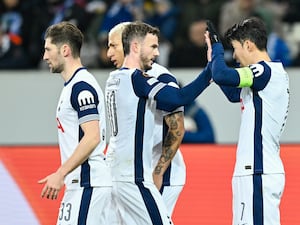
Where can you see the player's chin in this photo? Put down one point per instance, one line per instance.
(49, 66)
(148, 67)
(151, 63)
(116, 64)
(52, 70)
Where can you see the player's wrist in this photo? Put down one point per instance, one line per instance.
(61, 172)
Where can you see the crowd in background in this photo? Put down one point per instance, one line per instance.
(182, 25)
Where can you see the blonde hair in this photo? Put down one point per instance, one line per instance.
(118, 28)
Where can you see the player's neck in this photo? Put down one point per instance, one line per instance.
(70, 68)
(132, 62)
(259, 56)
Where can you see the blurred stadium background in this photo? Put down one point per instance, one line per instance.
(29, 151)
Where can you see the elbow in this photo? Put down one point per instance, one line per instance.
(232, 100)
(211, 138)
(225, 76)
(169, 106)
(219, 78)
(95, 140)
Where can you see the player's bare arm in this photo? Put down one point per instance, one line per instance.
(55, 181)
(172, 141)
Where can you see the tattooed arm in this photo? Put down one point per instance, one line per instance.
(171, 143)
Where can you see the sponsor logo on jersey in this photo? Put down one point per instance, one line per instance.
(86, 100)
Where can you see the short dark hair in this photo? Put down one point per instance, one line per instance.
(136, 30)
(66, 32)
(252, 29)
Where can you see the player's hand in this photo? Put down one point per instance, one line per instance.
(213, 34)
(208, 44)
(53, 184)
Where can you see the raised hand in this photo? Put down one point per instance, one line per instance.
(213, 35)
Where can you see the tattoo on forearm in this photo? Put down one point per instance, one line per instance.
(172, 140)
(169, 139)
(173, 121)
(165, 157)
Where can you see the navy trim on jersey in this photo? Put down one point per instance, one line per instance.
(161, 190)
(167, 174)
(81, 68)
(150, 204)
(80, 134)
(260, 81)
(85, 175)
(167, 78)
(139, 140)
(258, 205)
(84, 205)
(258, 146)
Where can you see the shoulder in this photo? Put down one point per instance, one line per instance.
(83, 75)
(157, 70)
(122, 71)
(162, 74)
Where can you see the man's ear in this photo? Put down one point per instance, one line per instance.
(65, 50)
(135, 47)
(249, 45)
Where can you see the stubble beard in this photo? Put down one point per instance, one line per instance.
(57, 69)
(145, 63)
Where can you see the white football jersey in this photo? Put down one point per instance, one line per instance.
(132, 98)
(131, 120)
(82, 100)
(132, 123)
(176, 173)
(264, 112)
